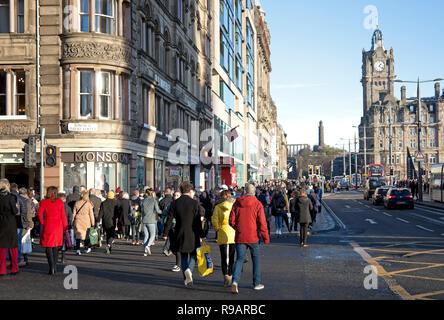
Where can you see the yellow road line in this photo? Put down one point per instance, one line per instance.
(419, 277)
(416, 253)
(393, 285)
(414, 269)
(423, 295)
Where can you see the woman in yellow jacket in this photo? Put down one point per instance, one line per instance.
(225, 235)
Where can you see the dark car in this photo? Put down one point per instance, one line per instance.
(379, 195)
(398, 197)
(370, 187)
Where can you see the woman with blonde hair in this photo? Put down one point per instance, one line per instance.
(225, 235)
(83, 220)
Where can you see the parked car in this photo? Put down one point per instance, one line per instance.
(399, 197)
(379, 195)
(343, 185)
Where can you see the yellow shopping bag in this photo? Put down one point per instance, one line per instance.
(204, 262)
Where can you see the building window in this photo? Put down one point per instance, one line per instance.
(21, 16)
(433, 158)
(400, 144)
(3, 94)
(105, 95)
(84, 16)
(227, 96)
(105, 16)
(381, 144)
(86, 94)
(4, 16)
(13, 102)
(159, 114)
(146, 105)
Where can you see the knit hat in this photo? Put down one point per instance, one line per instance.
(118, 190)
(111, 195)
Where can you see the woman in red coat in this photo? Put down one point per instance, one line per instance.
(53, 219)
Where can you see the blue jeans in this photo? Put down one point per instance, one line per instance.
(241, 250)
(149, 230)
(188, 261)
(278, 220)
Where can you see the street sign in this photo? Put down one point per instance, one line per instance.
(419, 157)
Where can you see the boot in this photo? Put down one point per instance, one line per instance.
(226, 281)
(50, 257)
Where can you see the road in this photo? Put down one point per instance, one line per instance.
(405, 247)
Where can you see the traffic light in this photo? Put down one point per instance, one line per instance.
(392, 173)
(310, 170)
(318, 170)
(51, 156)
(208, 154)
(29, 152)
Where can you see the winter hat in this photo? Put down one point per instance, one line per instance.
(111, 195)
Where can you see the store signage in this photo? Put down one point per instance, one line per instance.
(83, 127)
(100, 156)
(174, 172)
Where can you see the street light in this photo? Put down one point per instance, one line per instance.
(418, 82)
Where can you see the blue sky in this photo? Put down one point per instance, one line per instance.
(316, 50)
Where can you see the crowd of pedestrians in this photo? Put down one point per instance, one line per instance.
(86, 220)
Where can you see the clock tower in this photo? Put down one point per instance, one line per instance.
(378, 72)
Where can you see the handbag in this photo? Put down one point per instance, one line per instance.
(26, 243)
(204, 262)
(68, 242)
(93, 236)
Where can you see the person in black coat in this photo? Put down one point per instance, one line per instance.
(123, 212)
(73, 198)
(278, 205)
(303, 208)
(188, 230)
(108, 214)
(8, 228)
(294, 210)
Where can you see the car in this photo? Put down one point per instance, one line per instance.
(399, 197)
(343, 185)
(380, 193)
(371, 185)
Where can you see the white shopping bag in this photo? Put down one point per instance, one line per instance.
(26, 243)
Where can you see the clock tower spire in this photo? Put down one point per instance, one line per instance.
(378, 72)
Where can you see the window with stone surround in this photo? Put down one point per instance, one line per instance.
(104, 87)
(12, 94)
(86, 94)
(14, 23)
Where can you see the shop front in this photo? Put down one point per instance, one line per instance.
(13, 169)
(175, 175)
(100, 170)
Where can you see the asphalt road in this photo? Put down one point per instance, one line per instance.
(409, 261)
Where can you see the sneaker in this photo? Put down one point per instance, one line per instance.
(167, 253)
(176, 269)
(259, 287)
(147, 250)
(88, 250)
(78, 253)
(234, 288)
(188, 277)
(108, 251)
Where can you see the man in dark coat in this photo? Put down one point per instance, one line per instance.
(108, 214)
(73, 198)
(188, 229)
(8, 228)
(22, 218)
(95, 200)
(123, 211)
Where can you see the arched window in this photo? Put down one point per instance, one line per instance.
(157, 53)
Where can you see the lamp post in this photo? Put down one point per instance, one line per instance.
(418, 82)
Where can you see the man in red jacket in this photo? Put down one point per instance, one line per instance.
(248, 220)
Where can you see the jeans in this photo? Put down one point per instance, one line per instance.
(160, 228)
(149, 234)
(241, 250)
(278, 220)
(135, 232)
(188, 261)
(19, 247)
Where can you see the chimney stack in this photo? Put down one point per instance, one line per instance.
(403, 93)
(437, 89)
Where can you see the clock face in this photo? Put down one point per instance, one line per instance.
(379, 66)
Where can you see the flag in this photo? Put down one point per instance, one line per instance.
(232, 134)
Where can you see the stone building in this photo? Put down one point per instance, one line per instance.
(116, 76)
(391, 124)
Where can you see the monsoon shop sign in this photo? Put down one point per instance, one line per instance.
(95, 156)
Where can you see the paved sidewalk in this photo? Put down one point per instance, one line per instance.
(429, 203)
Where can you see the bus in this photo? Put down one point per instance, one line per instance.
(374, 171)
(437, 183)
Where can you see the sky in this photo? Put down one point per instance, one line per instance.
(316, 53)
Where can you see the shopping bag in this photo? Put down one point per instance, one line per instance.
(204, 262)
(93, 236)
(68, 242)
(71, 233)
(26, 243)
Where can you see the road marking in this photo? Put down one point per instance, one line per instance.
(434, 221)
(371, 221)
(421, 227)
(376, 210)
(348, 207)
(402, 220)
(393, 285)
(430, 211)
(367, 206)
(387, 214)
